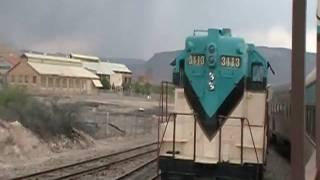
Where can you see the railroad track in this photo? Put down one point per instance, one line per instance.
(92, 166)
(143, 168)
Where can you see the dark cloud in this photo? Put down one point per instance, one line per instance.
(134, 28)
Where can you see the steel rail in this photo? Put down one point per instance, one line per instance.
(137, 169)
(157, 176)
(53, 170)
(103, 167)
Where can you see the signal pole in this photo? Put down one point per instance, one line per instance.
(318, 95)
(297, 91)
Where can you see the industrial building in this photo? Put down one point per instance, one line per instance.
(117, 74)
(44, 74)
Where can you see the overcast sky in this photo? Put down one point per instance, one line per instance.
(139, 28)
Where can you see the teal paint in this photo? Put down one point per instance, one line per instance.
(221, 52)
(225, 78)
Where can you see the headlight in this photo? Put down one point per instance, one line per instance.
(212, 48)
(211, 60)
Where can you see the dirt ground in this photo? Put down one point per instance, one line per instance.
(102, 147)
(117, 122)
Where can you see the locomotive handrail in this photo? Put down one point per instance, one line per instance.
(242, 119)
(174, 114)
(199, 30)
(165, 129)
(162, 112)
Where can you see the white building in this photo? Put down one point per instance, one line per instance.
(43, 74)
(117, 74)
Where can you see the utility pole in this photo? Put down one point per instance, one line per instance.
(318, 95)
(297, 91)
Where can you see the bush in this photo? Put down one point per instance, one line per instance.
(105, 83)
(46, 120)
(147, 88)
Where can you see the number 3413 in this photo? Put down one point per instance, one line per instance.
(196, 59)
(229, 61)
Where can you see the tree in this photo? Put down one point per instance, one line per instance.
(137, 88)
(147, 87)
(126, 86)
(105, 82)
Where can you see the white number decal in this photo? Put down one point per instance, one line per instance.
(237, 63)
(229, 61)
(211, 82)
(211, 76)
(196, 59)
(223, 61)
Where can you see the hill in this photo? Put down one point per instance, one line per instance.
(280, 60)
(158, 66)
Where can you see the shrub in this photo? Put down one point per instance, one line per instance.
(46, 120)
(105, 83)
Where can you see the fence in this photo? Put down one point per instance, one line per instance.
(113, 124)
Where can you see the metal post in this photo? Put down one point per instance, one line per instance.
(107, 122)
(241, 153)
(297, 93)
(174, 136)
(220, 136)
(134, 129)
(195, 138)
(160, 118)
(162, 101)
(317, 123)
(166, 100)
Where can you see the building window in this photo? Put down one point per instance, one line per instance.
(50, 82)
(20, 79)
(58, 82)
(26, 79)
(13, 78)
(64, 83)
(77, 83)
(43, 81)
(70, 83)
(34, 79)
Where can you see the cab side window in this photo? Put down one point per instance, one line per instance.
(257, 80)
(257, 73)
